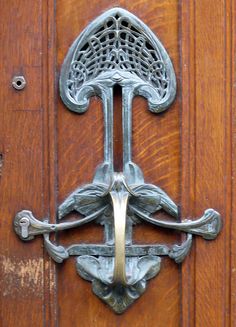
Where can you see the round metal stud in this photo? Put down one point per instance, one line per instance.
(18, 82)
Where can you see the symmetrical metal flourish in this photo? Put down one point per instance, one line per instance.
(118, 48)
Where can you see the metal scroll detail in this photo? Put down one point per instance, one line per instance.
(117, 48)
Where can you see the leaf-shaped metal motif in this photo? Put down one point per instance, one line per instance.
(84, 200)
(151, 198)
(99, 271)
(179, 252)
(117, 47)
(58, 253)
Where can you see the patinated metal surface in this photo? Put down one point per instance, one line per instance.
(117, 48)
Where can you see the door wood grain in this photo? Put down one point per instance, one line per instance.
(46, 151)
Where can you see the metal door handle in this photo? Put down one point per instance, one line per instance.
(118, 48)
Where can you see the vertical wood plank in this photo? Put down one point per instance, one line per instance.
(21, 126)
(232, 82)
(206, 69)
(212, 160)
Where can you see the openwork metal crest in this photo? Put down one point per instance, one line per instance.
(118, 44)
(117, 48)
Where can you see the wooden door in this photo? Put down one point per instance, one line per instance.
(46, 152)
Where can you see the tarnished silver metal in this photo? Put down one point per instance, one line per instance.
(118, 48)
(18, 82)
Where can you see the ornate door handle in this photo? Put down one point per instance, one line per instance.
(118, 48)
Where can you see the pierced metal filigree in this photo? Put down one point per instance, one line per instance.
(117, 48)
(118, 44)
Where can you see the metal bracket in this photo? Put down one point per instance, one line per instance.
(118, 48)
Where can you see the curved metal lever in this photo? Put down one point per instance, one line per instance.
(27, 226)
(118, 48)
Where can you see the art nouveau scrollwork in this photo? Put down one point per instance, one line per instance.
(117, 48)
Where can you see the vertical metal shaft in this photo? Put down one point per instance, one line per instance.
(127, 98)
(107, 99)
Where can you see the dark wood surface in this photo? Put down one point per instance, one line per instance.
(46, 151)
